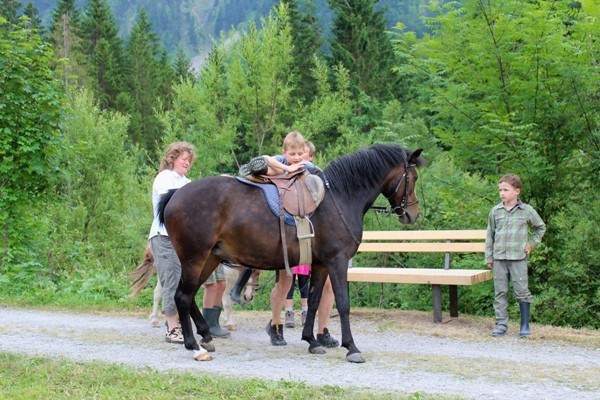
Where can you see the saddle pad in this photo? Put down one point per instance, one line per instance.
(272, 197)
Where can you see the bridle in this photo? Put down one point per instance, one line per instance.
(404, 203)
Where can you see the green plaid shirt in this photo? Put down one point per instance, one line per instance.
(508, 232)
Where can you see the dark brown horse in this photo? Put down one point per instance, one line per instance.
(220, 218)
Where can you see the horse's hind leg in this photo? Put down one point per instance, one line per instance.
(192, 278)
(202, 327)
(193, 273)
(154, 321)
(317, 280)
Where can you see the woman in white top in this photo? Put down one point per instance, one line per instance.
(175, 164)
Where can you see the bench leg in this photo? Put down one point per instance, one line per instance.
(436, 294)
(453, 292)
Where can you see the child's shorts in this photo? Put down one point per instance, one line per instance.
(303, 269)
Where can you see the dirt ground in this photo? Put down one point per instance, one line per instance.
(405, 351)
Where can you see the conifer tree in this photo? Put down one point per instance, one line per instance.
(361, 44)
(104, 51)
(65, 37)
(307, 41)
(145, 80)
(9, 9)
(34, 21)
(182, 67)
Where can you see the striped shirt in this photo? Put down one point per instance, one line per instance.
(508, 232)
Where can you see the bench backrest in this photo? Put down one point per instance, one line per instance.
(442, 241)
(447, 241)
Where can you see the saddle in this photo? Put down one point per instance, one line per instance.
(300, 193)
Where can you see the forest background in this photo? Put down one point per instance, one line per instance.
(87, 106)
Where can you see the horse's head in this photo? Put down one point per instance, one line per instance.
(400, 189)
(250, 287)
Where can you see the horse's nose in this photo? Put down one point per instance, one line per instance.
(248, 298)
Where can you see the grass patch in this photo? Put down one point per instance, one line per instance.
(40, 378)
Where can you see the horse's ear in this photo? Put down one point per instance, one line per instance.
(414, 156)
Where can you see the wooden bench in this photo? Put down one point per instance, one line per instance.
(443, 241)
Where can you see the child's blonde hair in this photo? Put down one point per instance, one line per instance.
(513, 180)
(175, 150)
(295, 140)
(311, 147)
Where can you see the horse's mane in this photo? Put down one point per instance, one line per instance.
(366, 167)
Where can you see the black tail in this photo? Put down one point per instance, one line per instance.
(163, 203)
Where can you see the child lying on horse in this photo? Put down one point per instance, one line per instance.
(290, 161)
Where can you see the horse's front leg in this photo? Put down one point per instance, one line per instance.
(338, 274)
(318, 276)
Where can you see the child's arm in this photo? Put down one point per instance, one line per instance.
(489, 240)
(278, 166)
(539, 228)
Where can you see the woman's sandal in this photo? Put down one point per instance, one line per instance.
(174, 336)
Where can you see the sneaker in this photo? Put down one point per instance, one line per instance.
(275, 332)
(499, 330)
(175, 335)
(256, 166)
(289, 319)
(303, 317)
(326, 340)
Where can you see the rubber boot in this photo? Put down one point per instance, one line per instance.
(499, 330)
(211, 316)
(525, 331)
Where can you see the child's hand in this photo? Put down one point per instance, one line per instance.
(490, 265)
(528, 248)
(296, 167)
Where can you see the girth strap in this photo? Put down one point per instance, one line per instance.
(282, 191)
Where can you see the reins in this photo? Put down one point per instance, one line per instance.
(339, 210)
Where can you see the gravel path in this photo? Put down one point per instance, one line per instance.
(397, 361)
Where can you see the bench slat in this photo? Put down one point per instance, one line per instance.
(473, 234)
(432, 276)
(422, 247)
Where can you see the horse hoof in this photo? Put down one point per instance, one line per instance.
(317, 350)
(202, 355)
(155, 323)
(230, 327)
(210, 346)
(355, 358)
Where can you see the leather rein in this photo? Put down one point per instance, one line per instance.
(404, 203)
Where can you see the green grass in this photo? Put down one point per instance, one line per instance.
(39, 378)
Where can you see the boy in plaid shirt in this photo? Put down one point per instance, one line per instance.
(507, 247)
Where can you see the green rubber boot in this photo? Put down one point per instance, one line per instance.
(211, 315)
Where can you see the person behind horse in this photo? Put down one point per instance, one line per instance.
(212, 303)
(292, 159)
(175, 163)
(302, 274)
